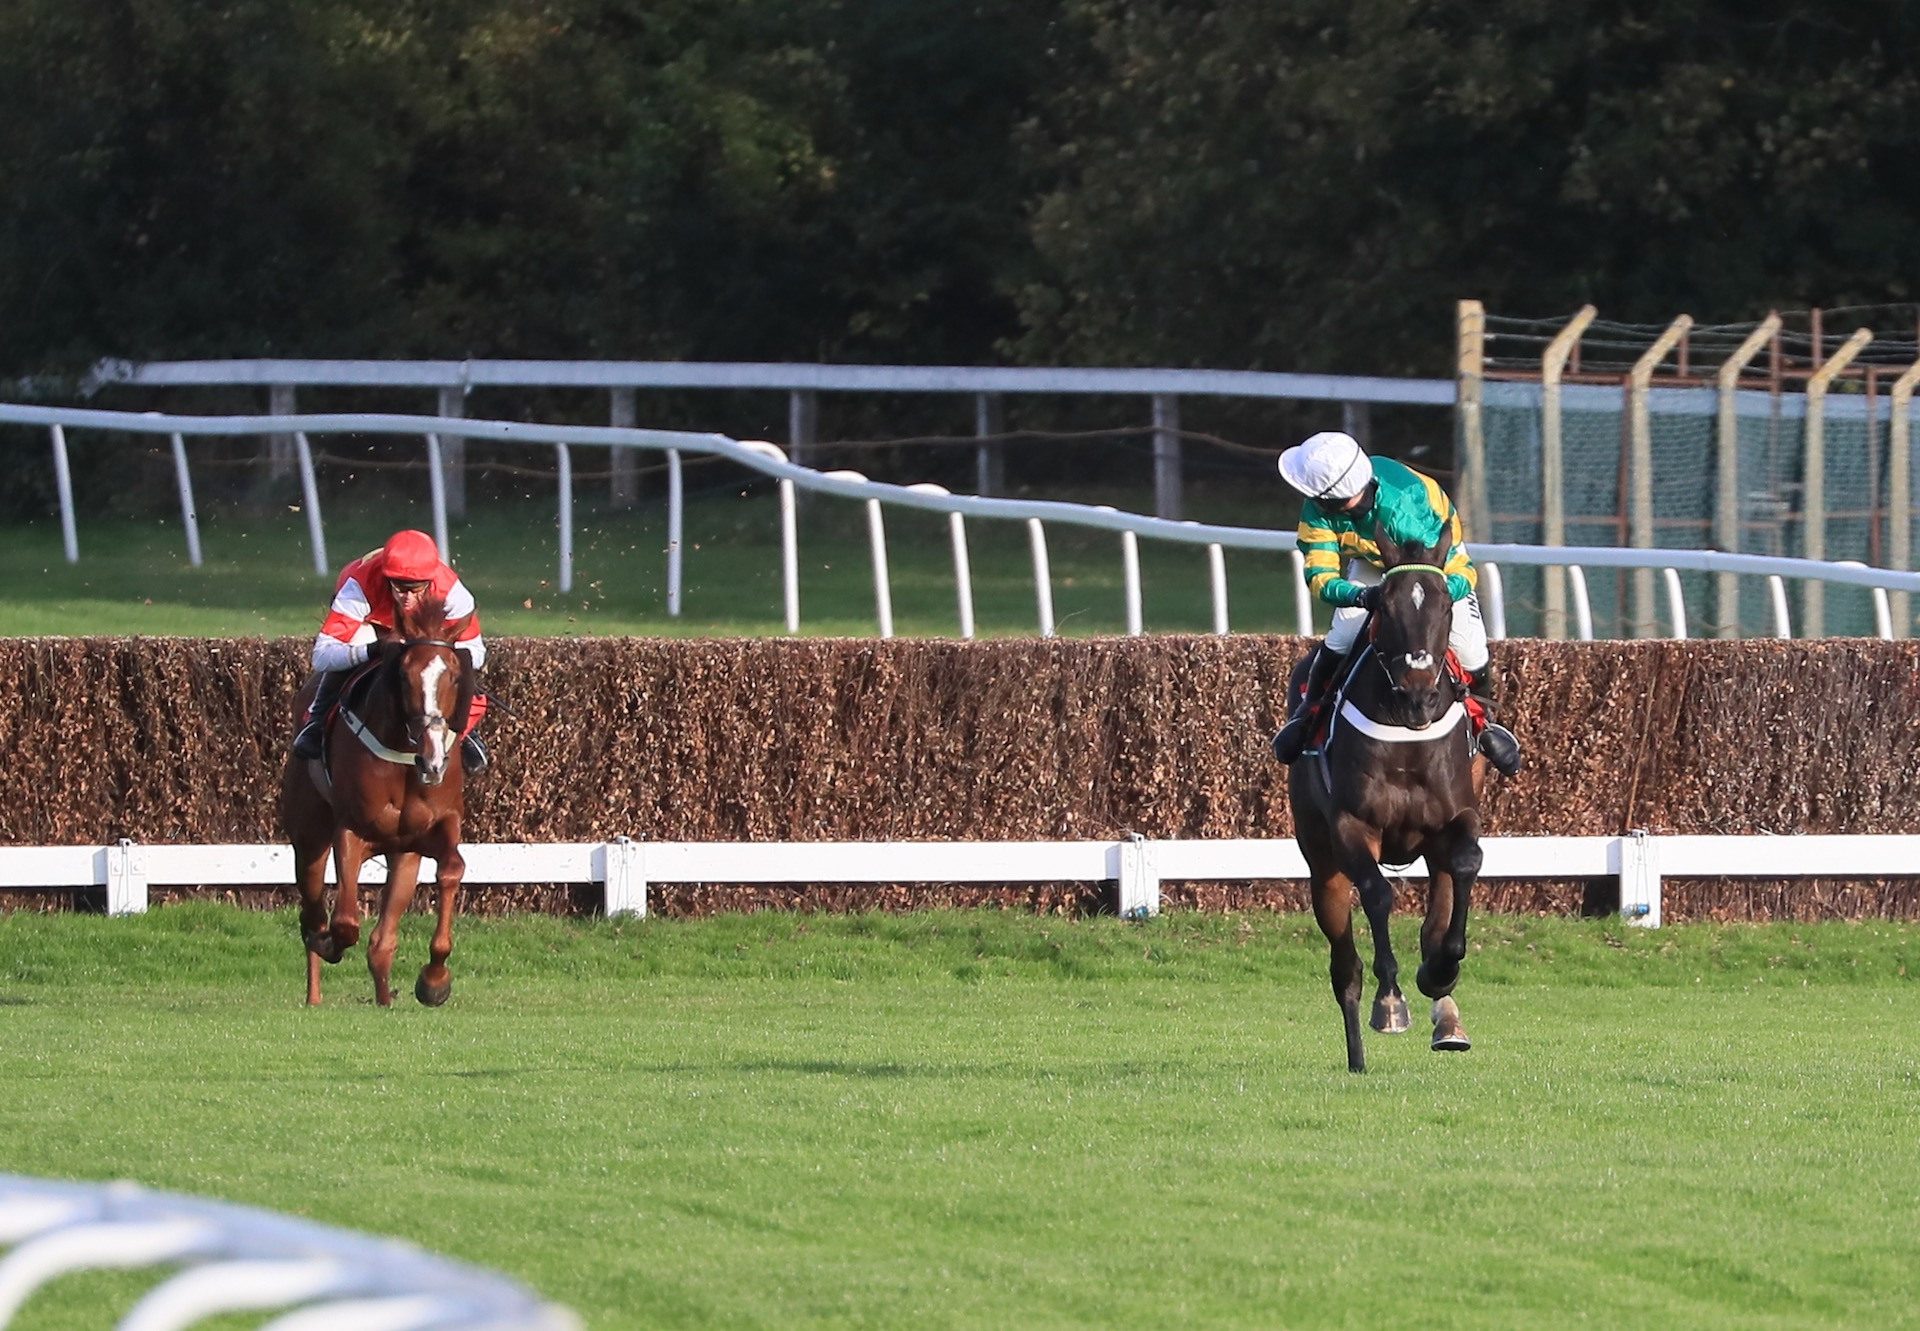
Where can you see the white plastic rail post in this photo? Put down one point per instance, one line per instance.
(63, 482)
(1138, 878)
(1217, 582)
(962, 569)
(565, 461)
(437, 487)
(1496, 601)
(1042, 575)
(126, 879)
(310, 496)
(877, 547)
(1640, 879)
(1676, 602)
(789, 535)
(676, 530)
(1302, 595)
(1777, 598)
(189, 519)
(626, 878)
(1582, 607)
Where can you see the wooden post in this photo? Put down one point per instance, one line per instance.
(453, 453)
(280, 402)
(1470, 439)
(1900, 492)
(803, 425)
(1553, 482)
(1640, 472)
(624, 488)
(1726, 499)
(989, 456)
(1813, 510)
(1166, 456)
(1356, 419)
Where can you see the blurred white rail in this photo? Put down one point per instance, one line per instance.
(127, 869)
(238, 1259)
(768, 459)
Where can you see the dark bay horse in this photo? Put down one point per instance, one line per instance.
(391, 784)
(1397, 780)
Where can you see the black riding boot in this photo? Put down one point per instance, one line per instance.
(1292, 739)
(474, 758)
(1496, 741)
(311, 741)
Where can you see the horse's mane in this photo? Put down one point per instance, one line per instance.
(428, 620)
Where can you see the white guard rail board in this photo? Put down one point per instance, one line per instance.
(1137, 867)
(769, 460)
(238, 1259)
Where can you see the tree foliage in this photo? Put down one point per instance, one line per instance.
(1232, 183)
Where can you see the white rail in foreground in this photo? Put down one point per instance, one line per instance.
(237, 1259)
(1137, 866)
(769, 460)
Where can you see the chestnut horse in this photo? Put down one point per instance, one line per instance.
(391, 784)
(1395, 781)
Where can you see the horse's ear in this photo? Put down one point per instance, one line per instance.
(1389, 551)
(1445, 547)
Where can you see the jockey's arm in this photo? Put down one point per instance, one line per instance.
(1320, 548)
(345, 635)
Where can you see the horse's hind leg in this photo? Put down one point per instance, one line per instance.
(403, 875)
(1443, 937)
(435, 984)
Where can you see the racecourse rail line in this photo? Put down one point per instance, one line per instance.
(236, 1259)
(770, 460)
(1136, 866)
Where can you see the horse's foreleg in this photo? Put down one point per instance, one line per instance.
(1333, 908)
(403, 875)
(1359, 851)
(310, 877)
(435, 984)
(349, 854)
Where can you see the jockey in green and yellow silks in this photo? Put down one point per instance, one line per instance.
(1349, 497)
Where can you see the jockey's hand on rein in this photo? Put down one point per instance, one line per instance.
(1367, 598)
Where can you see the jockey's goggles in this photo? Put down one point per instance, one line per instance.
(409, 586)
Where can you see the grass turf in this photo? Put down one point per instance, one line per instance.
(985, 1119)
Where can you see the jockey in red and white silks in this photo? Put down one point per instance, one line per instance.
(367, 599)
(363, 600)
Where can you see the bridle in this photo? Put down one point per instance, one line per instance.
(1373, 625)
(416, 723)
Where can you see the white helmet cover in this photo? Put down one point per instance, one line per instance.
(1330, 465)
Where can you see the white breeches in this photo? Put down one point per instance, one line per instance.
(1468, 639)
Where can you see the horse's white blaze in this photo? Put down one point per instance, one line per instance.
(433, 742)
(1419, 596)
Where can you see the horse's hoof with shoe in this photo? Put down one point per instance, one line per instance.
(434, 986)
(1390, 1016)
(1449, 1036)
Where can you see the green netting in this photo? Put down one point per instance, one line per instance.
(1684, 428)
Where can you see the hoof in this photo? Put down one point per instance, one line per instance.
(1390, 1015)
(432, 993)
(1448, 1035)
(324, 946)
(345, 934)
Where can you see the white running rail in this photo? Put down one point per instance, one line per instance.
(238, 1259)
(768, 459)
(1135, 865)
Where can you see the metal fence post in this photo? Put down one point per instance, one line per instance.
(453, 453)
(989, 456)
(1726, 501)
(624, 489)
(1166, 456)
(280, 402)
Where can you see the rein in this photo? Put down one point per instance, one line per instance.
(373, 743)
